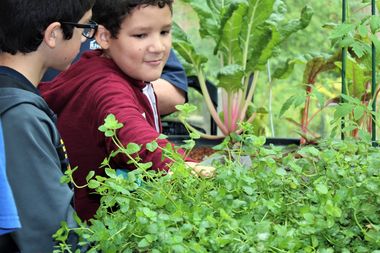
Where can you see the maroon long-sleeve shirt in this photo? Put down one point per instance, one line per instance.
(82, 97)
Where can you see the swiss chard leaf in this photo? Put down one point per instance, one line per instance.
(185, 48)
(230, 78)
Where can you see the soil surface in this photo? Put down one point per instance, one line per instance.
(200, 153)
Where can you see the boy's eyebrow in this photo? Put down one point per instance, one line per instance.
(168, 26)
(148, 28)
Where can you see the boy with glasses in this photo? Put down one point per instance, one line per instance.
(35, 35)
(135, 41)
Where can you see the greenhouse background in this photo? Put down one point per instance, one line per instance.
(275, 118)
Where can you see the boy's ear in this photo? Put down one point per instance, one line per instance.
(102, 37)
(52, 32)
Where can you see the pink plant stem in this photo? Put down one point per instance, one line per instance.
(305, 115)
(235, 109)
(225, 106)
(248, 99)
(209, 103)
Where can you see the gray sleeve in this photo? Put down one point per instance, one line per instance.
(33, 170)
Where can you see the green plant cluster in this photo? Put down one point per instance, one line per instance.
(323, 198)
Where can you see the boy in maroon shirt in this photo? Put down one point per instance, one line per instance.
(115, 79)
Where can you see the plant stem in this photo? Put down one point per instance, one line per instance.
(249, 29)
(209, 104)
(249, 97)
(192, 129)
(228, 116)
(305, 114)
(270, 99)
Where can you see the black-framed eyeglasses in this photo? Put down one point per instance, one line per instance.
(89, 29)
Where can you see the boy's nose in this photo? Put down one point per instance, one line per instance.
(157, 46)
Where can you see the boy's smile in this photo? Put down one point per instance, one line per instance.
(143, 43)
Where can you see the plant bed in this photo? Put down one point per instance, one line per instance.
(204, 147)
(320, 198)
(179, 139)
(201, 153)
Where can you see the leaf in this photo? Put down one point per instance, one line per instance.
(343, 110)
(93, 184)
(230, 78)
(145, 166)
(375, 40)
(263, 48)
(332, 209)
(258, 141)
(110, 123)
(317, 65)
(185, 48)
(230, 28)
(360, 48)
(359, 112)
(342, 30)
(350, 99)
(280, 171)
(208, 19)
(143, 244)
(283, 70)
(110, 173)
(152, 146)
(319, 96)
(364, 135)
(286, 105)
(362, 29)
(270, 35)
(132, 148)
(374, 23)
(194, 135)
(248, 190)
(188, 144)
(90, 175)
(162, 137)
(322, 188)
(295, 25)
(255, 33)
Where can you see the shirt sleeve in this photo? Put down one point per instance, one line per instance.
(34, 172)
(9, 219)
(129, 108)
(174, 72)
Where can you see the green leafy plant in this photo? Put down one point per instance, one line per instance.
(322, 198)
(246, 34)
(356, 38)
(315, 65)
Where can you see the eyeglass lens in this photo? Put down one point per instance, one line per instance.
(88, 32)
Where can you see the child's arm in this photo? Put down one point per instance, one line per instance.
(168, 96)
(171, 88)
(131, 108)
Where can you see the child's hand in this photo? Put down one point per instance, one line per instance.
(201, 170)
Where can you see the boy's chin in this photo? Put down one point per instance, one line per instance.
(150, 78)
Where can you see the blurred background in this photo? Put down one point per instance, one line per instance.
(314, 40)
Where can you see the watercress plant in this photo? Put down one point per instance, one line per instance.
(323, 198)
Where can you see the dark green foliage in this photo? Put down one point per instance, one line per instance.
(323, 198)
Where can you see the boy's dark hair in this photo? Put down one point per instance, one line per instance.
(111, 13)
(23, 22)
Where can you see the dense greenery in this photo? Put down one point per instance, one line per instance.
(323, 198)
